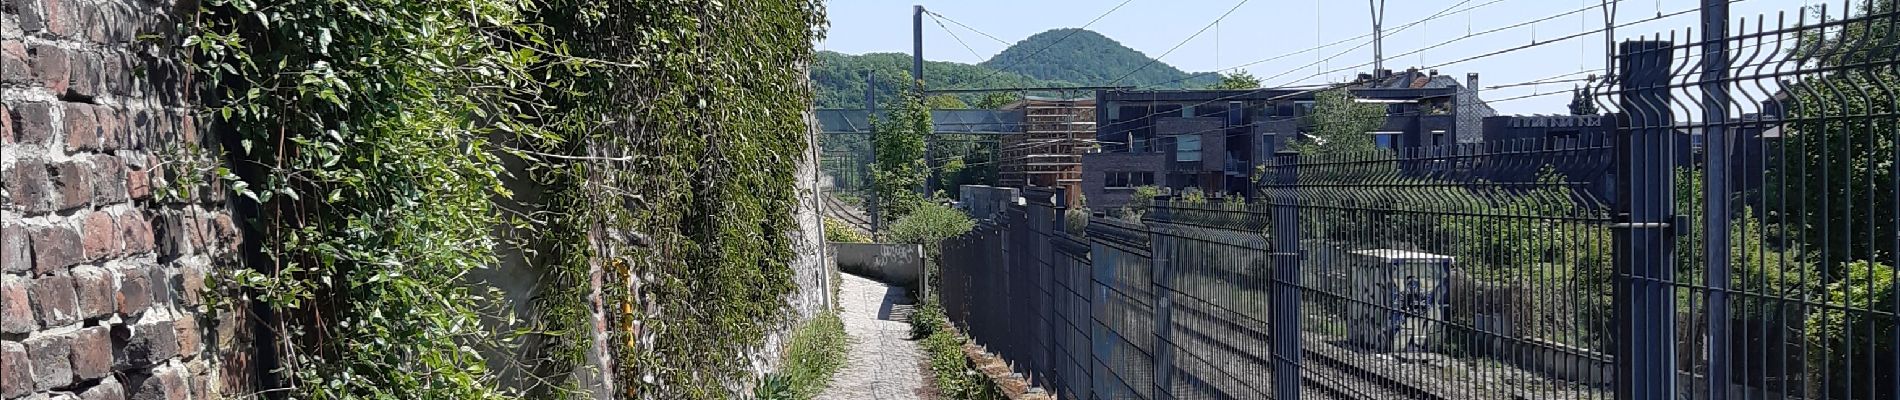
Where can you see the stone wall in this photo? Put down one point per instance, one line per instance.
(103, 267)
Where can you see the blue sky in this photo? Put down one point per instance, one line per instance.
(1261, 29)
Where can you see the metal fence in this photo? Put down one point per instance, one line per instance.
(1733, 237)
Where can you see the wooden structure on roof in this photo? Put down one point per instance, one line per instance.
(1048, 153)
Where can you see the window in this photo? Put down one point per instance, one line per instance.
(1187, 148)
(1385, 140)
(1125, 180)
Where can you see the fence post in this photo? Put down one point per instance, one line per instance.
(1284, 197)
(1161, 260)
(1715, 189)
(870, 114)
(1645, 217)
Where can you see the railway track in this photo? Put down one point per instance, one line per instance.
(1331, 370)
(848, 213)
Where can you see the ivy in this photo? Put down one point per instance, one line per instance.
(380, 143)
(363, 133)
(689, 119)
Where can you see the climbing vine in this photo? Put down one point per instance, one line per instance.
(362, 141)
(378, 146)
(691, 125)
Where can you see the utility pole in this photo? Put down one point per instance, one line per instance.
(1715, 191)
(870, 114)
(917, 74)
(1378, 37)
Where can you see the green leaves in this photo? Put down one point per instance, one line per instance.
(355, 104)
(900, 168)
(712, 140)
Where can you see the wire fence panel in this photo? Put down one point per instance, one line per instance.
(1781, 279)
(1449, 273)
(1073, 309)
(1122, 326)
(1212, 287)
(1733, 236)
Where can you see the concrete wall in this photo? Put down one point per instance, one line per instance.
(810, 269)
(103, 274)
(896, 264)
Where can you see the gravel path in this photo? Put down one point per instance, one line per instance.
(883, 364)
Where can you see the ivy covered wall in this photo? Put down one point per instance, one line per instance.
(437, 199)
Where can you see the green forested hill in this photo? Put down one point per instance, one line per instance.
(1085, 59)
(840, 77)
(1089, 58)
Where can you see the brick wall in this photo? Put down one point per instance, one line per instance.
(102, 273)
(1095, 169)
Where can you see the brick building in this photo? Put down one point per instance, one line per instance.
(1214, 140)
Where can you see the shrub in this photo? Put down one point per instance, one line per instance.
(1076, 221)
(1192, 196)
(953, 376)
(929, 224)
(816, 352)
(837, 231)
(1843, 342)
(927, 320)
(1140, 202)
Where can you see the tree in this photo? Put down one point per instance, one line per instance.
(900, 168)
(1839, 139)
(1340, 125)
(1840, 150)
(964, 160)
(945, 102)
(996, 100)
(1237, 80)
(1580, 102)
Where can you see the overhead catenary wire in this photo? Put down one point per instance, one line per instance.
(1401, 28)
(1533, 44)
(1568, 37)
(1033, 54)
(1467, 36)
(1177, 46)
(1443, 13)
(941, 18)
(953, 34)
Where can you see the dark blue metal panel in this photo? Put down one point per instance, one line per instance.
(1286, 275)
(1645, 212)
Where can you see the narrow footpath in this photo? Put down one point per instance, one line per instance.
(883, 364)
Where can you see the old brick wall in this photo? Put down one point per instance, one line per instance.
(104, 263)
